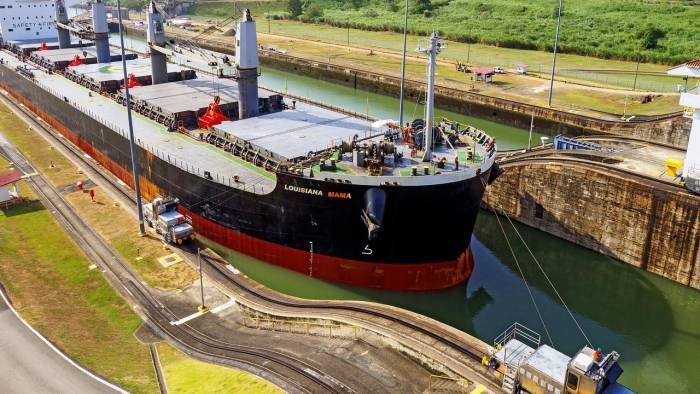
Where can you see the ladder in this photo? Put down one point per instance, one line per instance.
(509, 375)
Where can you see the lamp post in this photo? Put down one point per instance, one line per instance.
(403, 66)
(132, 145)
(554, 58)
(202, 308)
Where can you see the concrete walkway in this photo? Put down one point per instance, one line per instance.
(28, 365)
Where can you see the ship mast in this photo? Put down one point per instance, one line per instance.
(434, 47)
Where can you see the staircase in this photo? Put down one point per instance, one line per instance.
(509, 376)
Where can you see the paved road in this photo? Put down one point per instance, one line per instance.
(28, 365)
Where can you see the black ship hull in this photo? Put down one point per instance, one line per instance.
(305, 224)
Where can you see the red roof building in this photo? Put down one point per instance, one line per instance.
(8, 190)
(484, 74)
(12, 177)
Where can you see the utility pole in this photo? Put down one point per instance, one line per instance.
(132, 145)
(554, 58)
(348, 37)
(403, 67)
(269, 28)
(636, 73)
(202, 308)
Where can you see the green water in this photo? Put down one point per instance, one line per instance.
(384, 107)
(652, 322)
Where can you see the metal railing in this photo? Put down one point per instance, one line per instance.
(447, 384)
(519, 332)
(302, 327)
(226, 180)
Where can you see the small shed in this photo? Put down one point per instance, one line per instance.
(484, 74)
(8, 188)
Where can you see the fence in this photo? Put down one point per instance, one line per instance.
(330, 330)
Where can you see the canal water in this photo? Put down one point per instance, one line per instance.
(652, 322)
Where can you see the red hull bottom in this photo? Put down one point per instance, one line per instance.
(413, 277)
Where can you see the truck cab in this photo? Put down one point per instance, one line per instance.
(163, 216)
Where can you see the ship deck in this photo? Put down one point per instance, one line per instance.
(100, 72)
(181, 150)
(60, 58)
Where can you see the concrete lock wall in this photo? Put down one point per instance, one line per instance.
(671, 129)
(649, 225)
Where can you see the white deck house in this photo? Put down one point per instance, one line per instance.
(24, 20)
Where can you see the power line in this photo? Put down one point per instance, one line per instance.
(549, 281)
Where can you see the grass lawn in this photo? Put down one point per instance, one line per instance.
(184, 375)
(48, 280)
(114, 223)
(619, 73)
(573, 90)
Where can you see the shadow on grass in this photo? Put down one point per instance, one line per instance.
(24, 207)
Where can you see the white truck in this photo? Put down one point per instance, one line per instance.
(162, 215)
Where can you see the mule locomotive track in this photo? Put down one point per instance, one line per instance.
(297, 375)
(229, 280)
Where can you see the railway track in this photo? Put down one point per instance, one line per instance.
(210, 266)
(290, 373)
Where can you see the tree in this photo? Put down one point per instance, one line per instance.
(312, 12)
(295, 8)
(650, 36)
(421, 6)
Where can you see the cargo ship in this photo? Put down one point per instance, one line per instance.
(320, 191)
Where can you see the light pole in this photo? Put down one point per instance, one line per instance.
(132, 145)
(554, 58)
(202, 308)
(636, 72)
(403, 67)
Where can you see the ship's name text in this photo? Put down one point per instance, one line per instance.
(303, 190)
(317, 192)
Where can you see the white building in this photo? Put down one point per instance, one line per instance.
(22, 20)
(691, 101)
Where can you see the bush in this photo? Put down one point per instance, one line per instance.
(294, 8)
(650, 36)
(312, 13)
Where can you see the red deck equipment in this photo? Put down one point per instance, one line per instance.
(76, 61)
(132, 81)
(43, 47)
(213, 116)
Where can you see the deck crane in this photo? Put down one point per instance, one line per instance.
(98, 31)
(222, 66)
(243, 68)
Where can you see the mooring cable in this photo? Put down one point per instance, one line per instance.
(549, 281)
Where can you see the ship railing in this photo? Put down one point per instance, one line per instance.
(255, 187)
(519, 332)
